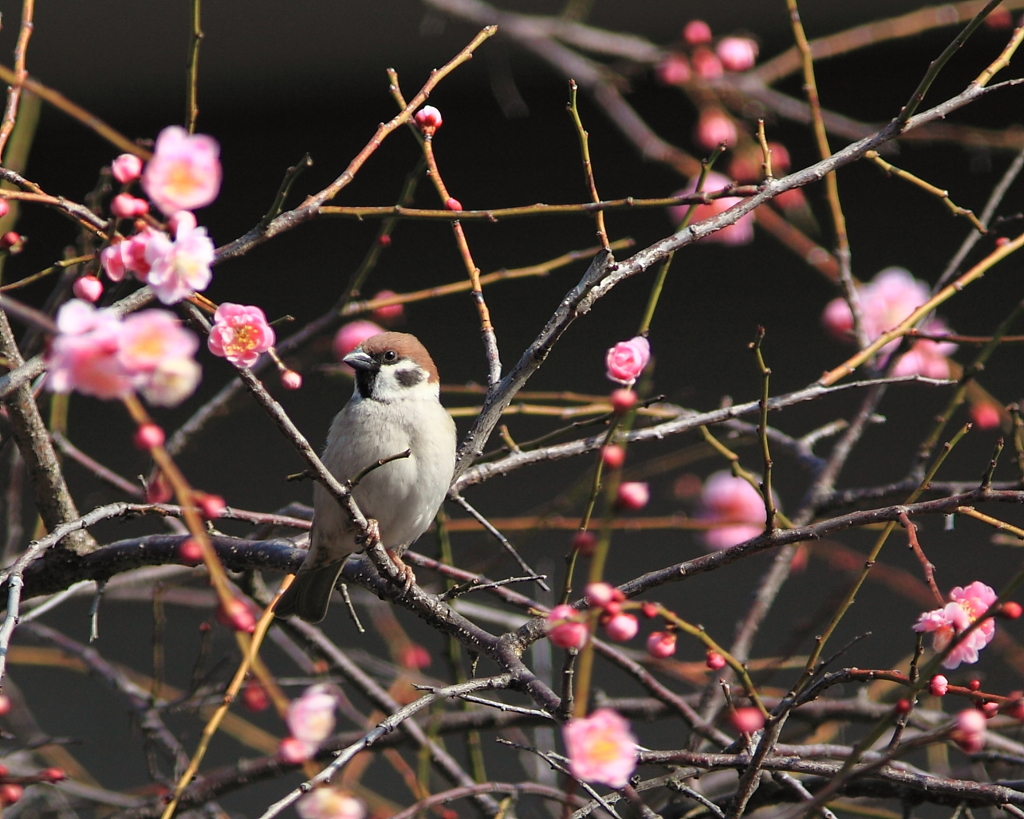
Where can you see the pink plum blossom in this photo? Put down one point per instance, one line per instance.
(565, 629)
(127, 256)
(83, 354)
(184, 173)
(886, 301)
(351, 335)
(126, 168)
(98, 354)
(969, 731)
(601, 748)
(740, 233)
(732, 501)
(737, 53)
(966, 605)
(329, 802)
(310, 718)
(179, 268)
(240, 334)
(627, 359)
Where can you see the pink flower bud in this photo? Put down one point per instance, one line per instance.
(674, 70)
(627, 359)
(1010, 610)
(148, 436)
(985, 415)
(747, 720)
(11, 241)
(351, 335)
(4, 208)
(565, 631)
(938, 686)
(650, 610)
(428, 118)
(622, 627)
(210, 506)
(737, 53)
(190, 552)
(661, 644)
(969, 731)
(5, 704)
(453, 204)
(126, 206)
(291, 380)
(705, 64)
(584, 543)
(126, 168)
(235, 614)
(714, 127)
(714, 660)
(88, 288)
(599, 595)
(613, 456)
(989, 709)
(10, 793)
(384, 240)
(184, 219)
(632, 495)
(696, 32)
(414, 657)
(623, 401)
(294, 751)
(52, 775)
(390, 313)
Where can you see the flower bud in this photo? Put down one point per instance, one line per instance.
(714, 660)
(661, 644)
(623, 401)
(88, 288)
(584, 543)
(126, 168)
(621, 627)
(190, 552)
(148, 436)
(613, 456)
(565, 631)
(938, 686)
(428, 118)
(747, 720)
(291, 380)
(632, 495)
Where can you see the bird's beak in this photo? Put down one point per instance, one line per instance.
(359, 360)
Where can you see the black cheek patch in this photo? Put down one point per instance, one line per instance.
(410, 378)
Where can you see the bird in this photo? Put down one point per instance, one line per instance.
(395, 406)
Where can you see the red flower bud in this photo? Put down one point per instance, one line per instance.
(584, 543)
(190, 552)
(453, 204)
(623, 401)
(148, 436)
(291, 380)
(211, 506)
(714, 660)
(10, 793)
(235, 614)
(254, 697)
(903, 706)
(1010, 610)
(650, 610)
(52, 775)
(428, 118)
(747, 719)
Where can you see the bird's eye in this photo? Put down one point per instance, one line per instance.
(390, 355)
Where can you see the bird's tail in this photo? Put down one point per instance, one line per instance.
(309, 595)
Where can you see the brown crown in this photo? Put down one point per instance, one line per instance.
(406, 345)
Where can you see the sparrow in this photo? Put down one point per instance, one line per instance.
(395, 406)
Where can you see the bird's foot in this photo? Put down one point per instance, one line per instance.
(408, 578)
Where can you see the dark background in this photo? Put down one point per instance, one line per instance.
(279, 79)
